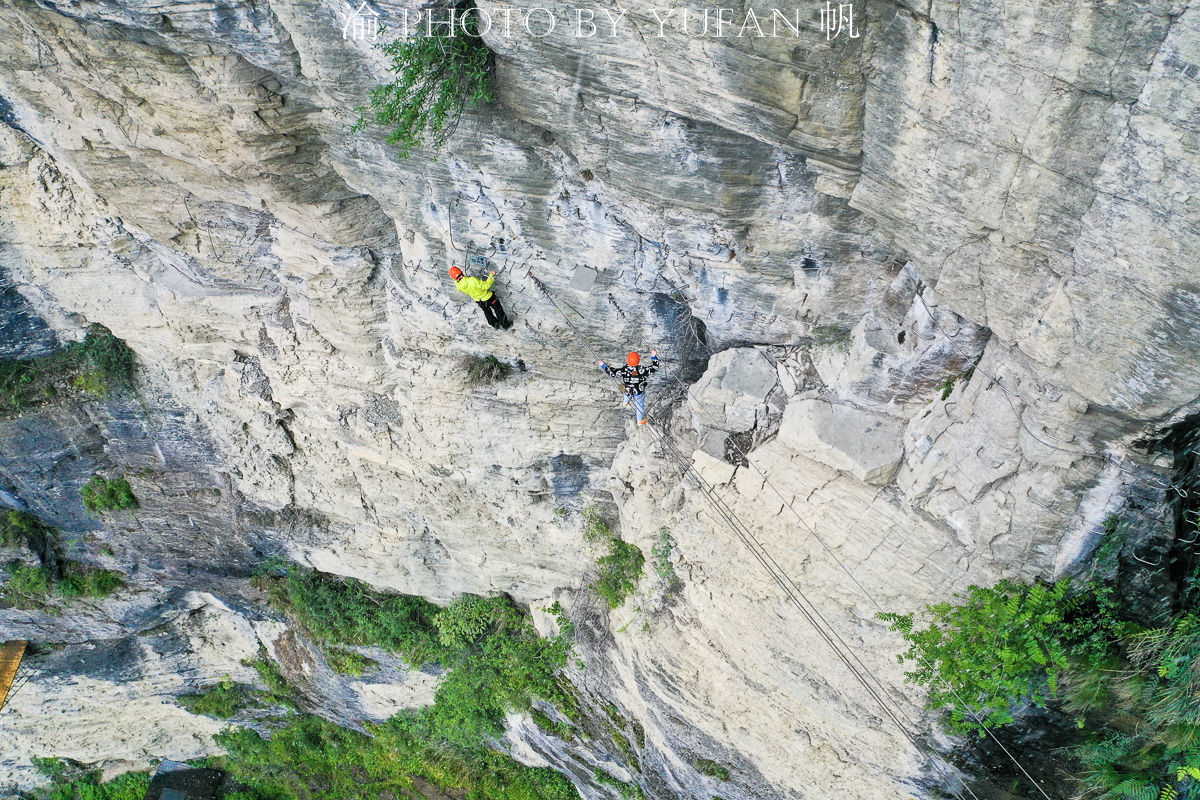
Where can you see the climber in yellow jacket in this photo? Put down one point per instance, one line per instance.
(481, 292)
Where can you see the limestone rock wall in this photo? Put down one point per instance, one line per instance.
(959, 241)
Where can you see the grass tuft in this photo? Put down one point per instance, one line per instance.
(483, 370)
(101, 494)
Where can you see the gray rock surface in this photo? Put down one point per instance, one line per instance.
(866, 445)
(1006, 184)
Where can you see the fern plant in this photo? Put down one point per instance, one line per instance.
(1006, 643)
(437, 77)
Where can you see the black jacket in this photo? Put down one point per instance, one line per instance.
(633, 378)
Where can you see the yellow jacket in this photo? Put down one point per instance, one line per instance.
(475, 288)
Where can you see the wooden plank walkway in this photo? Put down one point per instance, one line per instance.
(10, 661)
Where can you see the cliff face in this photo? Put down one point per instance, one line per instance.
(817, 235)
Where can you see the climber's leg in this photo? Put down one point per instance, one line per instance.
(625, 400)
(489, 313)
(503, 318)
(639, 405)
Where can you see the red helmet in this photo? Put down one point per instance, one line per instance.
(633, 360)
(455, 273)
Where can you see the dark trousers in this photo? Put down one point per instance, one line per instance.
(494, 312)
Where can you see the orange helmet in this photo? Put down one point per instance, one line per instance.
(633, 360)
(455, 273)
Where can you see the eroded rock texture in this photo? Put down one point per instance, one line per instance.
(963, 241)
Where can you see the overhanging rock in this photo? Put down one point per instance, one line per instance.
(867, 446)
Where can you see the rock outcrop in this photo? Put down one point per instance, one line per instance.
(957, 250)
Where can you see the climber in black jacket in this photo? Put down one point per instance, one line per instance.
(634, 377)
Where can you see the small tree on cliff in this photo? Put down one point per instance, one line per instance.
(439, 72)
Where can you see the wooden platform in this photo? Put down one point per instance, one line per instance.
(10, 661)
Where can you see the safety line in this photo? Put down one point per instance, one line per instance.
(863, 589)
(737, 526)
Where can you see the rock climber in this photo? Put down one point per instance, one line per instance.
(481, 292)
(633, 377)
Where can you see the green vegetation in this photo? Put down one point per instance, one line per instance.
(553, 727)
(629, 791)
(98, 365)
(27, 586)
(91, 582)
(22, 529)
(348, 662)
(1131, 689)
(483, 370)
(620, 572)
(1138, 706)
(831, 336)
(494, 658)
(712, 769)
(221, 700)
(31, 587)
(343, 611)
(437, 77)
(1114, 533)
(311, 759)
(101, 494)
(621, 568)
(56, 577)
(662, 556)
(278, 690)
(595, 530)
(70, 783)
(495, 662)
(946, 387)
(1003, 644)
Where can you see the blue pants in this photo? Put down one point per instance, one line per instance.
(639, 405)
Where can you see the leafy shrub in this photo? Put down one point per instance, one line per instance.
(22, 529)
(551, 726)
(344, 611)
(221, 700)
(27, 586)
(629, 791)
(595, 530)
(495, 662)
(1133, 690)
(91, 382)
(73, 783)
(110, 356)
(437, 77)
(101, 494)
(712, 769)
(462, 624)
(278, 689)
(1003, 644)
(1141, 715)
(95, 366)
(348, 662)
(312, 759)
(483, 370)
(662, 556)
(80, 581)
(501, 670)
(34, 587)
(31, 587)
(620, 571)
